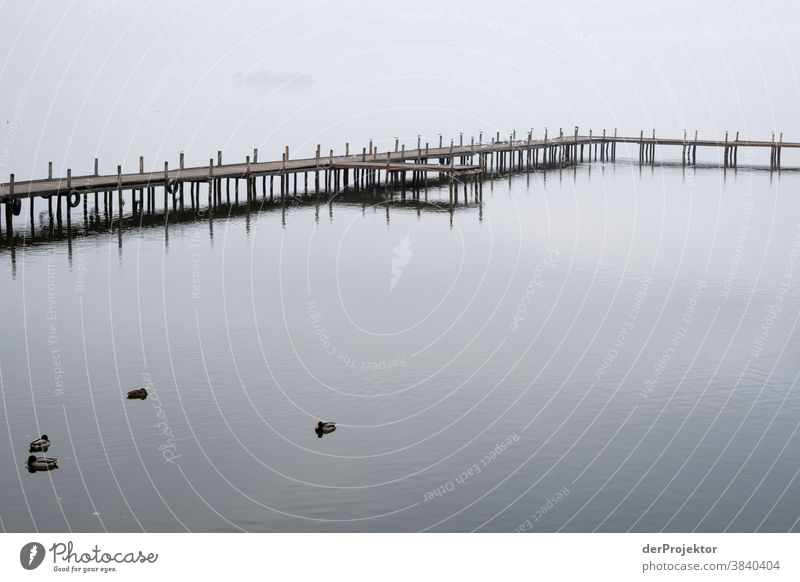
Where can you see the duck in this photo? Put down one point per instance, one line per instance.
(324, 428)
(139, 393)
(41, 463)
(40, 445)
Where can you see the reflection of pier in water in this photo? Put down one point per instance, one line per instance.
(96, 220)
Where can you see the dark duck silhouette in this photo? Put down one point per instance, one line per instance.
(41, 463)
(324, 428)
(40, 445)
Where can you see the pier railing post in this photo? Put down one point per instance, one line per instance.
(180, 183)
(574, 156)
(725, 152)
(166, 193)
(603, 147)
(316, 169)
(641, 146)
(9, 204)
(614, 147)
(247, 180)
(210, 184)
(119, 196)
(683, 149)
(653, 149)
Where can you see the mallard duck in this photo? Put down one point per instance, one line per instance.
(139, 393)
(41, 463)
(324, 428)
(40, 445)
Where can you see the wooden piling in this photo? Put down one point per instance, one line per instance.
(10, 212)
(211, 183)
(119, 195)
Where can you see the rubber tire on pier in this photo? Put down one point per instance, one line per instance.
(73, 199)
(16, 206)
(172, 186)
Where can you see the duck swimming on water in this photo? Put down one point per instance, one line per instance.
(139, 393)
(40, 445)
(41, 463)
(324, 428)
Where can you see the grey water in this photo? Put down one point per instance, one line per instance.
(602, 348)
(605, 348)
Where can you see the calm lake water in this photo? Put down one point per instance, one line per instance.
(604, 348)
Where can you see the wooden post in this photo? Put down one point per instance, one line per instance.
(614, 147)
(31, 200)
(330, 169)
(96, 168)
(641, 146)
(725, 152)
(10, 211)
(772, 152)
(316, 169)
(451, 157)
(255, 155)
(166, 179)
(603, 148)
(69, 190)
(575, 147)
(529, 151)
(180, 186)
(119, 194)
(544, 151)
(248, 195)
(211, 181)
(49, 170)
(683, 149)
(653, 149)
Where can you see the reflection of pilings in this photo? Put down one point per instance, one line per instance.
(95, 224)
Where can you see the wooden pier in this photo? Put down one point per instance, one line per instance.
(402, 169)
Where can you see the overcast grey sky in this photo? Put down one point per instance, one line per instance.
(118, 79)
